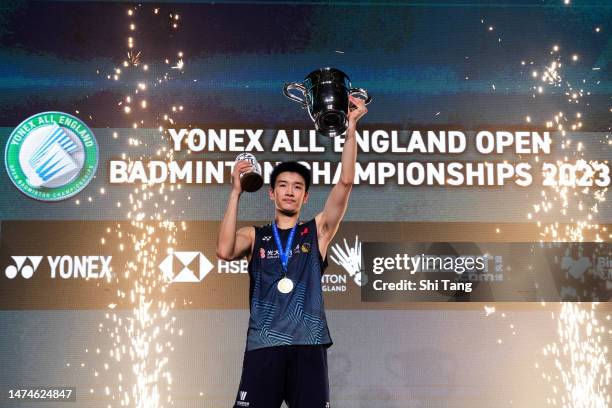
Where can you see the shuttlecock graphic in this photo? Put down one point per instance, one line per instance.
(51, 158)
(350, 259)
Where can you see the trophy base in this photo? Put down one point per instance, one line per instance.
(251, 182)
(332, 123)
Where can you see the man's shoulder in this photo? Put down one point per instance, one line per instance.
(249, 229)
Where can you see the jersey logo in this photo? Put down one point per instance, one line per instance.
(242, 402)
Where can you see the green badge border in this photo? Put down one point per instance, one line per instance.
(18, 178)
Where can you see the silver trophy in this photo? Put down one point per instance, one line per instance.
(325, 93)
(250, 180)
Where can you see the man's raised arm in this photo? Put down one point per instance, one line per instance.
(232, 244)
(329, 219)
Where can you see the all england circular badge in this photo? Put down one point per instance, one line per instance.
(51, 156)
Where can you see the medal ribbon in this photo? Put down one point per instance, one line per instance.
(284, 252)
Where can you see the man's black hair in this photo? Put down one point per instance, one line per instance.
(294, 167)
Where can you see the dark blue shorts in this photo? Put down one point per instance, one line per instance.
(294, 374)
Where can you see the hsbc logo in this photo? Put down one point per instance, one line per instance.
(185, 266)
(64, 266)
(237, 266)
(193, 266)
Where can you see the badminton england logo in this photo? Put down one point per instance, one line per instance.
(51, 156)
(350, 259)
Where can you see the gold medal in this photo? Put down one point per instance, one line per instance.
(285, 285)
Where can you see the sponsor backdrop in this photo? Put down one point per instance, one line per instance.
(489, 131)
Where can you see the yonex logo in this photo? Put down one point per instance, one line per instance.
(243, 395)
(63, 266)
(20, 267)
(196, 260)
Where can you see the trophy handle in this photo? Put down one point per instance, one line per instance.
(295, 86)
(361, 94)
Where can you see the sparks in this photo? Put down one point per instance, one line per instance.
(134, 57)
(179, 65)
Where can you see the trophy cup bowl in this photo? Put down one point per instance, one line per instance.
(252, 180)
(325, 94)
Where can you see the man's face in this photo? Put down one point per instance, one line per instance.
(289, 193)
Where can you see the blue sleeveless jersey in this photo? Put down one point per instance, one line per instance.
(297, 317)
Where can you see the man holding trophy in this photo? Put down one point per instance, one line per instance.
(288, 337)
